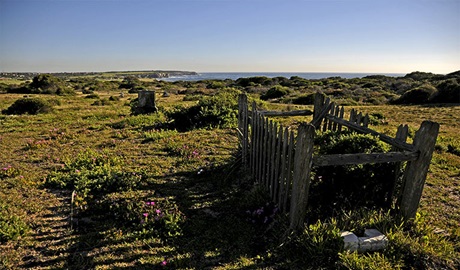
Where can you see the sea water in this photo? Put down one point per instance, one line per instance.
(305, 75)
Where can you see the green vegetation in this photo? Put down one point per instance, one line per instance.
(94, 187)
(29, 106)
(44, 84)
(219, 110)
(354, 186)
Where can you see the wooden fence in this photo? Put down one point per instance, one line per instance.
(282, 160)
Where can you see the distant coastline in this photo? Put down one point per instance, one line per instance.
(173, 75)
(305, 75)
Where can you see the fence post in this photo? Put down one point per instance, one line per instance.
(318, 107)
(417, 170)
(254, 130)
(301, 180)
(243, 126)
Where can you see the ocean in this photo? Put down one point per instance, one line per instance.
(305, 75)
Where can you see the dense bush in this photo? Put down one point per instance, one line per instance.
(448, 92)
(307, 99)
(276, 91)
(44, 84)
(49, 84)
(419, 95)
(252, 81)
(220, 110)
(4, 88)
(347, 187)
(29, 106)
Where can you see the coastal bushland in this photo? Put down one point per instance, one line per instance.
(96, 187)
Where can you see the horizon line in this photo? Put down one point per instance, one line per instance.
(261, 72)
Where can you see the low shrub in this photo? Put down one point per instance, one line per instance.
(92, 175)
(276, 91)
(448, 92)
(419, 95)
(142, 121)
(101, 102)
(87, 91)
(8, 172)
(152, 217)
(92, 95)
(377, 119)
(156, 135)
(29, 106)
(316, 247)
(308, 99)
(220, 110)
(453, 149)
(113, 98)
(12, 227)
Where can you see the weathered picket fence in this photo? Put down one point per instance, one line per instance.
(282, 160)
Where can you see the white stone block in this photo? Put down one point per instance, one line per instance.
(373, 240)
(350, 241)
(371, 233)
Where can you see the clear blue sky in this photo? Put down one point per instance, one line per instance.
(393, 36)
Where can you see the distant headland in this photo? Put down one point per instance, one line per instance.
(151, 74)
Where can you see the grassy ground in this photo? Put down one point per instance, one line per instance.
(195, 177)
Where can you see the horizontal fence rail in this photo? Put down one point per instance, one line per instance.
(354, 159)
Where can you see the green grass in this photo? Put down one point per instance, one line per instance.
(194, 178)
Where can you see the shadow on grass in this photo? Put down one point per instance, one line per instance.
(217, 231)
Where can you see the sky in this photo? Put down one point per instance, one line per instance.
(381, 36)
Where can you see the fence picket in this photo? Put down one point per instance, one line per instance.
(366, 120)
(336, 114)
(253, 139)
(273, 132)
(339, 126)
(283, 165)
(332, 111)
(359, 118)
(264, 151)
(261, 148)
(352, 116)
(276, 179)
(289, 172)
